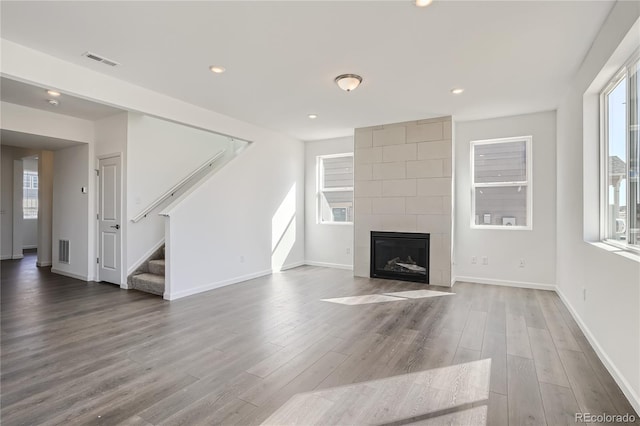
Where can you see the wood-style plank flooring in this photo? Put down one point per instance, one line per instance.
(270, 350)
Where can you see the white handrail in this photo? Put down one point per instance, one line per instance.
(175, 188)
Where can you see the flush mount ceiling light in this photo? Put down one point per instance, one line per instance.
(312, 116)
(423, 3)
(53, 102)
(457, 91)
(348, 82)
(53, 93)
(217, 69)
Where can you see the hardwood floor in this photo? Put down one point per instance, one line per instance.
(270, 350)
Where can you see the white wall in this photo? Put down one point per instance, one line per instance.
(6, 203)
(610, 315)
(325, 244)
(45, 207)
(505, 248)
(247, 220)
(160, 154)
(30, 226)
(71, 210)
(23, 119)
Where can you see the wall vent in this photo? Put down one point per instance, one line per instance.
(63, 251)
(99, 58)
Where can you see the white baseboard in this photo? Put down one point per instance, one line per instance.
(5, 257)
(211, 286)
(519, 284)
(628, 391)
(43, 264)
(329, 265)
(144, 257)
(17, 256)
(291, 265)
(70, 274)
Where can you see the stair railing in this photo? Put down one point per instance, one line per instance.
(175, 188)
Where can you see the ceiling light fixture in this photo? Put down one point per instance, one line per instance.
(313, 116)
(423, 3)
(53, 102)
(53, 93)
(348, 82)
(217, 69)
(457, 91)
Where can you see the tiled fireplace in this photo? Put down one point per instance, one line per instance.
(403, 184)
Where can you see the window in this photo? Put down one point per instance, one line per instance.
(620, 159)
(335, 188)
(501, 183)
(30, 195)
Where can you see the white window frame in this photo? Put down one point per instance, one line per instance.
(528, 183)
(320, 187)
(620, 75)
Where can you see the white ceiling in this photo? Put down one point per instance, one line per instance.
(511, 57)
(16, 92)
(30, 141)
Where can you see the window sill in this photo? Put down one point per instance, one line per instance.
(335, 223)
(629, 254)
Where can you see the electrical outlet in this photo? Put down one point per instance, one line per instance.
(348, 250)
(485, 260)
(241, 259)
(474, 260)
(522, 263)
(584, 294)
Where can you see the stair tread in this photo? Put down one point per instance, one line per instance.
(157, 261)
(147, 276)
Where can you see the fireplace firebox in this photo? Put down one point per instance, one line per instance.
(400, 256)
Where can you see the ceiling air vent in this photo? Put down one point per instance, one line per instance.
(99, 58)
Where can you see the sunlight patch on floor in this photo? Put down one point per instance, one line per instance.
(363, 300)
(456, 394)
(387, 297)
(419, 294)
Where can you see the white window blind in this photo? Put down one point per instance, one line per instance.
(335, 188)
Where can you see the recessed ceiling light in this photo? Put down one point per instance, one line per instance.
(423, 3)
(217, 69)
(53, 93)
(53, 102)
(457, 91)
(313, 116)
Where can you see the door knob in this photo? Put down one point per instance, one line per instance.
(115, 226)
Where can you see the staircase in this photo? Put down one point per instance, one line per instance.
(149, 277)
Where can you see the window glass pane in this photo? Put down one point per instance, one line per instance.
(617, 166)
(336, 206)
(633, 215)
(30, 195)
(338, 172)
(502, 205)
(500, 162)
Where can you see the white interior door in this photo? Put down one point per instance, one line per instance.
(109, 220)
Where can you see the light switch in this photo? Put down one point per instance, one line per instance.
(83, 189)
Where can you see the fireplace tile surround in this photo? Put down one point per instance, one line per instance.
(403, 183)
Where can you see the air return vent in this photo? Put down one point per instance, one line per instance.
(63, 251)
(99, 58)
